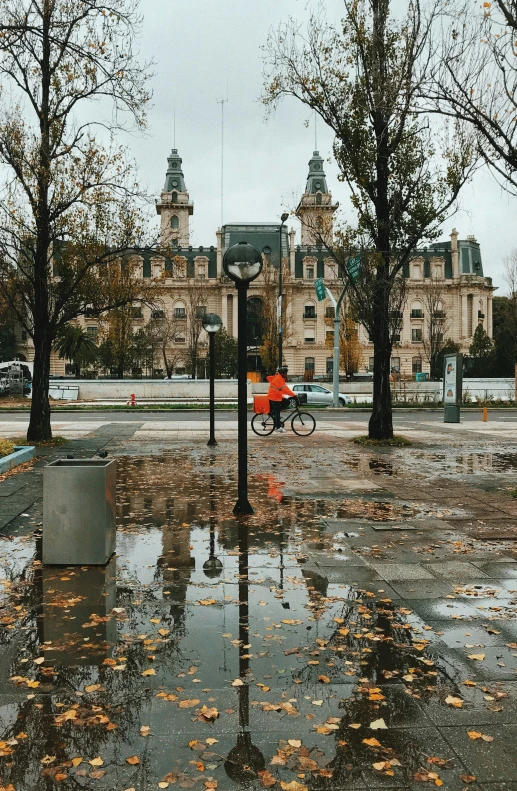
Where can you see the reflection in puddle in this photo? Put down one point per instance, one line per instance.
(205, 656)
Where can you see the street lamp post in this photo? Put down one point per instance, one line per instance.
(212, 324)
(283, 218)
(242, 263)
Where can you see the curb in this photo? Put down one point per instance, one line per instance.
(21, 453)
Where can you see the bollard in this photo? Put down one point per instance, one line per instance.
(485, 414)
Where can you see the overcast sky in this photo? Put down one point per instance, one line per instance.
(201, 49)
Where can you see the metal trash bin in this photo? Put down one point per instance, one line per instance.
(79, 511)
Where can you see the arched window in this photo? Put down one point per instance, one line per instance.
(416, 310)
(179, 310)
(174, 197)
(318, 199)
(266, 252)
(309, 369)
(175, 222)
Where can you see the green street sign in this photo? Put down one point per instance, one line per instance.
(319, 285)
(353, 265)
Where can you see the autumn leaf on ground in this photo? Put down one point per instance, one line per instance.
(133, 760)
(211, 741)
(238, 683)
(376, 724)
(48, 759)
(96, 762)
(293, 786)
(453, 701)
(144, 730)
(197, 745)
(479, 657)
(372, 742)
(294, 742)
(266, 778)
(468, 778)
(76, 761)
(479, 735)
(208, 714)
(150, 672)
(187, 704)
(324, 679)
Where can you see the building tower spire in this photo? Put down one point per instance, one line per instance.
(174, 205)
(315, 208)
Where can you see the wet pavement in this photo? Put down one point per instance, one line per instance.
(358, 631)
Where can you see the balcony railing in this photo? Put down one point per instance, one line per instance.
(309, 314)
(417, 314)
(439, 314)
(481, 315)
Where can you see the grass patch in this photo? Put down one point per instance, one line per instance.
(396, 442)
(6, 447)
(513, 493)
(55, 442)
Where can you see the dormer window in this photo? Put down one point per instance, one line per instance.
(174, 197)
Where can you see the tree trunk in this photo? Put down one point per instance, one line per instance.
(381, 420)
(39, 425)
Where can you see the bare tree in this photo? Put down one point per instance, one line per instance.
(196, 299)
(67, 206)
(165, 330)
(364, 80)
(475, 79)
(436, 325)
(268, 348)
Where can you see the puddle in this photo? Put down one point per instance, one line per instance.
(204, 656)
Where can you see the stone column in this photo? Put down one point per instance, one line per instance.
(219, 270)
(292, 251)
(224, 311)
(464, 316)
(455, 254)
(489, 320)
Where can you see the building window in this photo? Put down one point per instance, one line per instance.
(318, 199)
(330, 312)
(266, 252)
(309, 311)
(180, 371)
(135, 311)
(24, 335)
(416, 365)
(330, 366)
(158, 314)
(92, 332)
(396, 337)
(416, 310)
(175, 222)
(417, 271)
(309, 367)
(174, 197)
(370, 363)
(146, 268)
(179, 313)
(309, 337)
(179, 339)
(200, 311)
(416, 334)
(395, 365)
(310, 273)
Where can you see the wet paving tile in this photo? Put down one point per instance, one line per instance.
(488, 765)
(503, 569)
(274, 651)
(454, 569)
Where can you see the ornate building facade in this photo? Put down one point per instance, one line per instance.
(455, 264)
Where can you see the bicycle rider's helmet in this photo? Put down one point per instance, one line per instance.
(282, 369)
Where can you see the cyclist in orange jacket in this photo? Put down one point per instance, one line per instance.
(277, 389)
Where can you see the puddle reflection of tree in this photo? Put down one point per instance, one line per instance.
(384, 657)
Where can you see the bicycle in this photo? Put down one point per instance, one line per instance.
(302, 423)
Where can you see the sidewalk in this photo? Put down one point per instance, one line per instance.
(358, 631)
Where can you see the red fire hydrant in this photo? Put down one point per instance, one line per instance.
(132, 401)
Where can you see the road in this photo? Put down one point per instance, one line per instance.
(348, 416)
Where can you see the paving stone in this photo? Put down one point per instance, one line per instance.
(488, 763)
(501, 569)
(401, 571)
(456, 570)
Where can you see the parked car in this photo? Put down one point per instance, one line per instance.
(316, 394)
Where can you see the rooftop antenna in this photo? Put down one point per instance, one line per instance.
(174, 128)
(222, 102)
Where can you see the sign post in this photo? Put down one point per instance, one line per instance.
(452, 387)
(321, 293)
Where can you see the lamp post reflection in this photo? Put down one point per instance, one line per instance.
(212, 567)
(244, 761)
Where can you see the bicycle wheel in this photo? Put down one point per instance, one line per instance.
(303, 424)
(262, 425)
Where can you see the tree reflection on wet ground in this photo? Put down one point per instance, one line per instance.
(272, 652)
